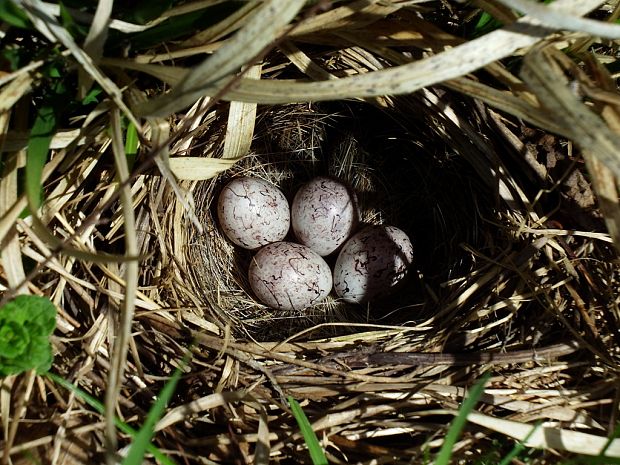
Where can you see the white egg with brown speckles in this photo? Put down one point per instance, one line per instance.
(324, 214)
(287, 276)
(372, 263)
(253, 212)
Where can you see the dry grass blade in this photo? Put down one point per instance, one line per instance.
(261, 30)
(546, 79)
(7, 221)
(304, 63)
(160, 137)
(200, 169)
(226, 26)
(547, 437)
(560, 20)
(263, 447)
(604, 182)
(188, 7)
(64, 245)
(404, 79)
(11, 255)
(171, 75)
(179, 10)
(10, 94)
(198, 406)
(93, 44)
(17, 140)
(240, 127)
(507, 102)
(11, 258)
(603, 237)
(5, 403)
(23, 71)
(122, 26)
(23, 397)
(606, 187)
(342, 16)
(118, 355)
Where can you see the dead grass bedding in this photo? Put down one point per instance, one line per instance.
(497, 155)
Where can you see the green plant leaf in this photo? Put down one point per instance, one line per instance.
(131, 144)
(26, 323)
(11, 14)
(12, 56)
(99, 408)
(92, 95)
(13, 339)
(76, 30)
(55, 101)
(314, 447)
(38, 148)
(486, 23)
(445, 453)
(131, 141)
(135, 455)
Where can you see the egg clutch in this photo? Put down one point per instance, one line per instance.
(324, 216)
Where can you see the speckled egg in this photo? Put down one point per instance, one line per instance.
(253, 213)
(324, 214)
(289, 276)
(372, 263)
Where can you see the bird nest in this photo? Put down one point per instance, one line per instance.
(400, 178)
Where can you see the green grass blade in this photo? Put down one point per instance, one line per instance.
(55, 101)
(38, 148)
(76, 30)
(444, 455)
(11, 14)
(486, 23)
(131, 140)
(316, 451)
(131, 144)
(93, 95)
(141, 441)
(99, 408)
(519, 446)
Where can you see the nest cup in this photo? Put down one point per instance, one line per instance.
(403, 175)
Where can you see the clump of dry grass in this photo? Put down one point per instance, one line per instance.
(506, 181)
